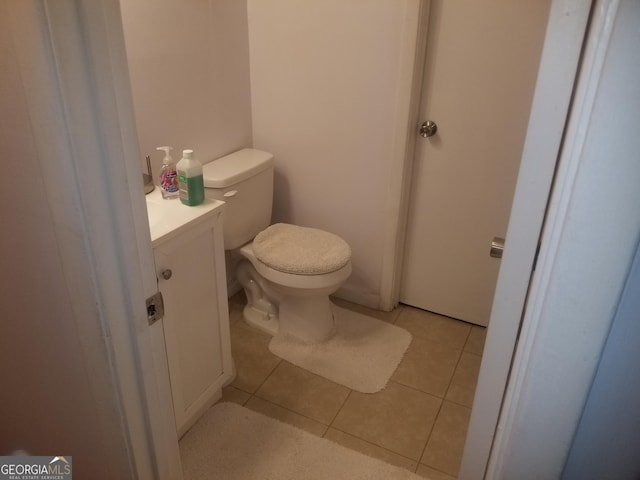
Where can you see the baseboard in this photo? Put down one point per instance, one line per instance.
(355, 294)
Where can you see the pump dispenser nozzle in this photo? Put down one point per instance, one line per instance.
(167, 154)
(168, 175)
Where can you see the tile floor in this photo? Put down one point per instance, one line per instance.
(419, 421)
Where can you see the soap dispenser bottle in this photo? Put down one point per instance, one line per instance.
(168, 175)
(190, 179)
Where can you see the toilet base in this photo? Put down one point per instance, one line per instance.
(309, 319)
(259, 312)
(260, 319)
(273, 309)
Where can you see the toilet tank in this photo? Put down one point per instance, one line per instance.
(244, 181)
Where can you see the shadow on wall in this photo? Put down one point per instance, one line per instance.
(281, 199)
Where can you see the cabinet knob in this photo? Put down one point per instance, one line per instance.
(166, 274)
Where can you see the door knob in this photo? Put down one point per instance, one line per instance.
(428, 129)
(166, 274)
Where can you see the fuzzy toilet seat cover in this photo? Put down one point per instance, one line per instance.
(301, 250)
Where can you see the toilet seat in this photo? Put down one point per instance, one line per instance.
(300, 250)
(292, 280)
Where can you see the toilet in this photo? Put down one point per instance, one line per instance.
(287, 271)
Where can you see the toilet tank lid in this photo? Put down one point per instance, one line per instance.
(235, 167)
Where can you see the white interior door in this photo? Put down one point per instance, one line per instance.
(480, 71)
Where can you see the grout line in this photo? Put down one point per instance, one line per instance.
(453, 375)
(340, 409)
(443, 399)
(291, 411)
(268, 375)
(415, 389)
(424, 448)
(458, 404)
(241, 389)
(377, 445)
(437, 470)
(235, 388)
(466, 340)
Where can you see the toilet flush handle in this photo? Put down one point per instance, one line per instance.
(230, 193)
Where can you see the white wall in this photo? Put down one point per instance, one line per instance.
(189, 71)
(324, 90)
(321, 92)
(50, 404)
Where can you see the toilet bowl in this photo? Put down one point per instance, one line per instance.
(287, 271)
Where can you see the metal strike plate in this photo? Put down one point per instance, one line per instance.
(497, 247)
(155, 308)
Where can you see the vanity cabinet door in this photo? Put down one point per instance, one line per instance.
(196, 322)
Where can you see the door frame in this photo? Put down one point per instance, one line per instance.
(115, 214)
(560, 59)
(73, 62)
(539, 378)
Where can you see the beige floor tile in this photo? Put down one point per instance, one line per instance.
(398, 418)
(389, 317)
(392, 425)
(235, 395)
(304, 392)
(254, 362)
(446, 443)
(432, 474)
(287, 416)
(427, 366)
(475, 342)
(370, 449)
(465, 378)
(436, 328)
(235, 316)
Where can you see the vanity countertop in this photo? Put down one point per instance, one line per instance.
(168, 218)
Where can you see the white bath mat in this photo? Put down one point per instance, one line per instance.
(362, 355)
(231, 442)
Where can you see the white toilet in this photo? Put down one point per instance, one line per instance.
(288, 272)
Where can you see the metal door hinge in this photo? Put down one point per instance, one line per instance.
(155, 308)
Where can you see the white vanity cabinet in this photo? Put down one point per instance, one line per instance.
(189, 260)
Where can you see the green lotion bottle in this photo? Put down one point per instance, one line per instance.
(190, 179)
